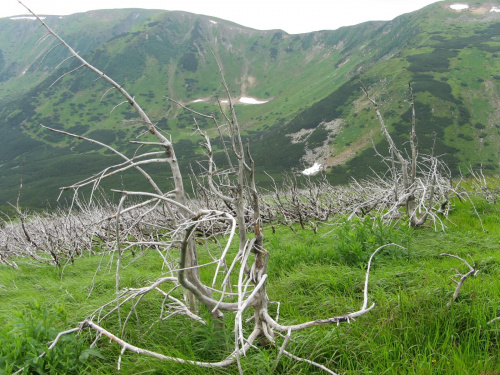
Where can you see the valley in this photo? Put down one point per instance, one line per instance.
(282, 85)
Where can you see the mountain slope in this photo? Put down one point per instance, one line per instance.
(451, 59)
(312, 109)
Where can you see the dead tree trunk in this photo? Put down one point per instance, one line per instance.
(418, 193)
(240, 216)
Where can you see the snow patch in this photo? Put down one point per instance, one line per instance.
(214, 22)
(313, 170)
(243, 100)
(495, 9)
(459, 6)
(247, 100)
(25, 18)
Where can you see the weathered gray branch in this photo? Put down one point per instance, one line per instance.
(462, 277)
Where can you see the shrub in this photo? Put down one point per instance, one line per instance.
(189, 62)
(317, 137)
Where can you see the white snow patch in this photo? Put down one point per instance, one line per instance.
(25, 18)
(313, 170)
(243, 100)
(459, 6)
(247, 100)
(214, 22)
(495, 9)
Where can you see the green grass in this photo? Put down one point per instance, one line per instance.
(411, 330)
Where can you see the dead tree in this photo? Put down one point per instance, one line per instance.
(421, 184)
(487, 188)
(244, 269)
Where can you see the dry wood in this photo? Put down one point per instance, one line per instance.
(459, 278)
(178, 228)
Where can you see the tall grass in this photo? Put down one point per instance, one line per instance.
(411, 330)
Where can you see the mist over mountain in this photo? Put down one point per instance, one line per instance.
(298, 97)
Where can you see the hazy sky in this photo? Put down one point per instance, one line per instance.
(292, 16)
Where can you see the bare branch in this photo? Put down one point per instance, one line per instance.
(462, 277)
(494, 320)
(320, 366)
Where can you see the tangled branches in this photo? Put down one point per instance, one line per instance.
(421, 184)
(227, 213)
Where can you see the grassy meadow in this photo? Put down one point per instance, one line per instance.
(412, 329)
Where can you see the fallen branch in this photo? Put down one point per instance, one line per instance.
(494, 320)
(472, 271)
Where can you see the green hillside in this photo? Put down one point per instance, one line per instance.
(314, 109)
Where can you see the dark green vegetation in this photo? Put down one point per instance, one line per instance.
(24, 338)
(450, 57)
(411, 330)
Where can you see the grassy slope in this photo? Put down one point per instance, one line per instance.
(452, 64)
(410, 331)
(76, 104)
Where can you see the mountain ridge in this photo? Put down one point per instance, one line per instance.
(309, 83)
